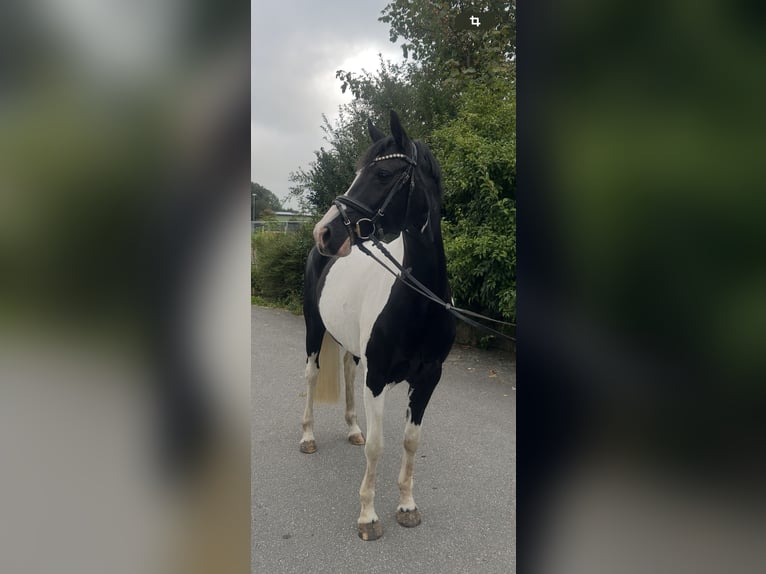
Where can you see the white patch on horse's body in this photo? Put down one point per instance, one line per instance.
(355, 292)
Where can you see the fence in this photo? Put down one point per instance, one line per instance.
(275, 226)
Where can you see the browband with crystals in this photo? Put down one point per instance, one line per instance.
(393, 156)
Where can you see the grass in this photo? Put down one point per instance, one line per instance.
(292, 304)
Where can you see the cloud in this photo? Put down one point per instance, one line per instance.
(296, 51)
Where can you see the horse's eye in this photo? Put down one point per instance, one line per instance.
(384, 173)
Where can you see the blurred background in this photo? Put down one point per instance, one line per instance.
(124, 260)
(642, 286)
(124, 341)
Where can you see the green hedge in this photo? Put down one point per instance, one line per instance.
(477, 152)
(480, 263)
(279, 263)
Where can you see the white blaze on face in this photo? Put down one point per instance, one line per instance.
(358, 173)
(331, 214)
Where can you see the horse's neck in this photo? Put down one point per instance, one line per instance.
(427, 260)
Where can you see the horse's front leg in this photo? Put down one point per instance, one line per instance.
(355, 435)
(407, 513)
(369, 526)
(308, 442)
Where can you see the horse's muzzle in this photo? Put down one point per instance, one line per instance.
(329, 243)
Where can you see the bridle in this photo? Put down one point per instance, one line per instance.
(369, 225)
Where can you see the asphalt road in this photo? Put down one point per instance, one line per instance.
(305, 506)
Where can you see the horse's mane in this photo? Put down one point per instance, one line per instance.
(427, 159)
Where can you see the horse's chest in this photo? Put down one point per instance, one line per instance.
(355, 292)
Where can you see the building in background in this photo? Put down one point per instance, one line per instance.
(279, 221)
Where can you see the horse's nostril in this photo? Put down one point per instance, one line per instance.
(325, 235)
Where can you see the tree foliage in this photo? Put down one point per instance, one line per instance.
(280, 259)
(443, 60)
(265, 200)
(433, 38)
(330, 174)
(418, 97)
(478, 156)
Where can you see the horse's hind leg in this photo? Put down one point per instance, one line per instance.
(355, 435)
(308, 443)
(407, 513)
(315, 331)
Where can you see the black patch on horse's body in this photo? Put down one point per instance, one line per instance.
(412, 336)
(317, 266)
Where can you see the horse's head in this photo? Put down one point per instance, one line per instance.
(382, 196)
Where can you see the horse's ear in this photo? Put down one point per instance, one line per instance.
(400, 137)
(375, 133)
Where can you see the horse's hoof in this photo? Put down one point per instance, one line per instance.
(356, 439)
(371, 531)
(408, 518)
(309, 446)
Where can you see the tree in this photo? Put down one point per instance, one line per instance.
(443, 61)
(419, 100)
(457, 55)
(477, 151)
(330, 174)
(263, 201)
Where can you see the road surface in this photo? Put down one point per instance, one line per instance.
(305, 506)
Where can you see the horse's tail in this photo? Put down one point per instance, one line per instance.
(328, 381)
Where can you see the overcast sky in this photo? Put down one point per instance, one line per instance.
(297, 45)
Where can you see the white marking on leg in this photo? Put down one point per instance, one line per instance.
(373, 408)
(312, 372)
(411, 440)
(349, 372)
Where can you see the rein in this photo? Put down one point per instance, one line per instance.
(368, 228)
(408, 279)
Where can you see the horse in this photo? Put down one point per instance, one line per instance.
(358, 311)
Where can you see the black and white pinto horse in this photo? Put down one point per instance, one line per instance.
(357, 312)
